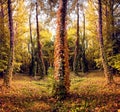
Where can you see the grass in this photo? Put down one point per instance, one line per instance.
(88, 93)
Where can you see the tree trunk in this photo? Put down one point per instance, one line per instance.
(2, 17)
(41, 64)
(84, 65)
(31, 40)
(61, 74)
(106, 68)
(32, 65)
(115, 49)
(8, 75)
(110, 26)
(77, 45)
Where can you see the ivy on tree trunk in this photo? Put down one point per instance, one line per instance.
(107, 72)
(84, 65)
(41, 65)
(76, 62)
(61, 73)
(32, 71)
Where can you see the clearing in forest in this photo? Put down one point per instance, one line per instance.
(88, 93)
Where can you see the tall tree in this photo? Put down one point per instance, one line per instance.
(84, 65)
(111, 19)
(41, 64)
(106, 68)
(8, 75)
(62, 83)
(77, 46)
(32, 66)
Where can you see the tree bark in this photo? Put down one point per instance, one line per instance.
(110, 33)
(107, 72)
(77, 45)
(40, 57)
(32, 66)
(115, 49)
(2, 18)
(8, 75)
(84, 65)
(61, 73)
(31, 40)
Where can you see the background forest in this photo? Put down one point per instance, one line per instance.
(43, 41)
(26, 41)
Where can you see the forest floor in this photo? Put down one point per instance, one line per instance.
(88, 93)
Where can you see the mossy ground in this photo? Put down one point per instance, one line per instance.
(88, 93)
